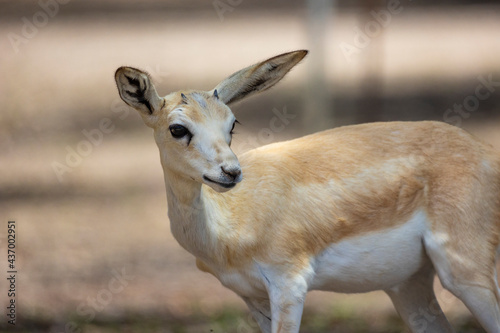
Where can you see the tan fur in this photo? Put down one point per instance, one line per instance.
(355, 185)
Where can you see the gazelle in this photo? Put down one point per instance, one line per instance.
(379, 206)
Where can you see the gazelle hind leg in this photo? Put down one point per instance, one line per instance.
(484, 303)
(471, 278)
(417, 305)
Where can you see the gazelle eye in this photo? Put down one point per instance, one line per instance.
(232, 128)
(178, 131)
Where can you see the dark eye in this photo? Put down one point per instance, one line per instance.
(232, 128)
(178, 131)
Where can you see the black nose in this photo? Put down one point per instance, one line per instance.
(232, 173)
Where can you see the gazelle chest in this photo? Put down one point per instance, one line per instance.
(245, 281)
(191, 236)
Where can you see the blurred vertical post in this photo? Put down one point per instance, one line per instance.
(318, 113)
(371, 103)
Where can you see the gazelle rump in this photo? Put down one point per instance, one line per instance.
(381, 206)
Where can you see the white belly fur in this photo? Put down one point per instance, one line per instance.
(377, 261)
(372, 262)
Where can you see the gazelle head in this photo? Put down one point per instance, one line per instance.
(193, 129)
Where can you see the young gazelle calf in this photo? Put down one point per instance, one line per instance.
(379, 206)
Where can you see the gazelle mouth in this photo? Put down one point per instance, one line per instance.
(225, 185)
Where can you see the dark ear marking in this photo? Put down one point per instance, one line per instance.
(272, 67)
(139, 94)
(133, 81)
(216, 95)
(253, 86)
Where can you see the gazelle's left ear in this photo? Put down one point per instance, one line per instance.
(137, 90)
(257, 78)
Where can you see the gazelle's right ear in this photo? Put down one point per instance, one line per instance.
(137, 90)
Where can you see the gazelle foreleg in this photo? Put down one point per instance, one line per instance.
(261, 312)
(286, 310)
(287, 293)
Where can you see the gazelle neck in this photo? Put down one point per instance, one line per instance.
(192, 216)
(184, 192)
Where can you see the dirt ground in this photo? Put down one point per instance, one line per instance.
(106, 215)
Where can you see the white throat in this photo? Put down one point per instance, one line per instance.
(189, 212)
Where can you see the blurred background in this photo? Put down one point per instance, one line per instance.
(80, 173)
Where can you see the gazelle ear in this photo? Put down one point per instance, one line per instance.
(258, 77)
(137, 90)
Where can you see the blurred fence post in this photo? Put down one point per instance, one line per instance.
(371, 102)
(318, 111)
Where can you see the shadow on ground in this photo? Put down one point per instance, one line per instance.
(231, 320)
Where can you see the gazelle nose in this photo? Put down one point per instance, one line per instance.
(231, 172)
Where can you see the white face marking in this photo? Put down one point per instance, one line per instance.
(200, 100)
(178, 117)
